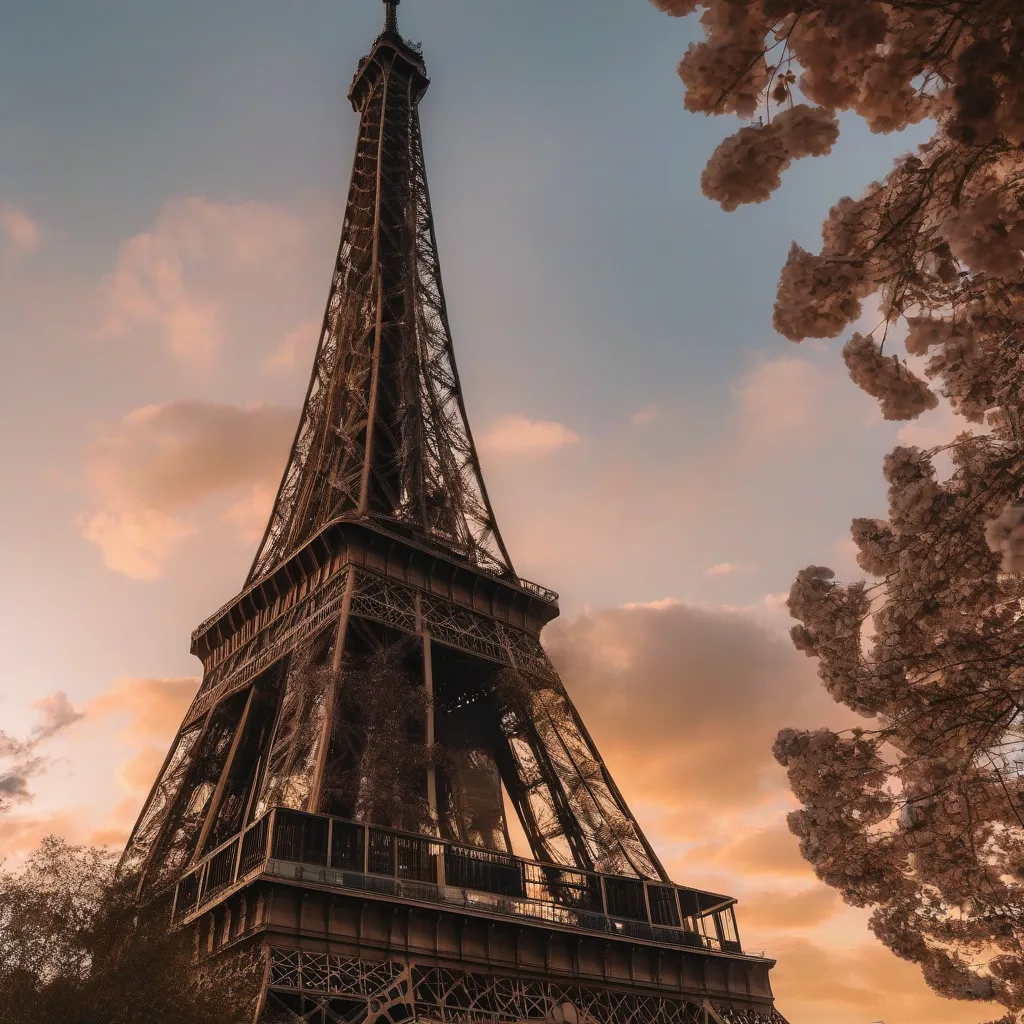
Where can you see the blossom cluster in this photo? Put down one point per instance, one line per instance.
(941, 238)
(918, 813)
(901, 394)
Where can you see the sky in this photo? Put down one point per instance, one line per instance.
(172, 182)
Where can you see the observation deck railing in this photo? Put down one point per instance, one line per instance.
(294, 846)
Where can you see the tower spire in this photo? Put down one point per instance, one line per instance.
(383, 435)
(391, 17)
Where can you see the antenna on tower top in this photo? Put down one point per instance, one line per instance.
(391, 24)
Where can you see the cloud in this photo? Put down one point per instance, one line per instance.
(752, 851)
(149, 712)
(151, 708)
(138, 773)
(145, 715)
(161, 462)
(193, 275)
(20, 760)
(15, 776)
(517, 435)
(178, 453)
(249, 514)
(727, 569)
(780, 911)
(57, 712)
(645, 416)
(23, 234)
(22, 833)
(299, 342)
(658, 603)
(685, 701)
(818, 982)
(135, 542)
(782, 398)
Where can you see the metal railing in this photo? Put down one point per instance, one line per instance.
(546, 595)
(321, 850)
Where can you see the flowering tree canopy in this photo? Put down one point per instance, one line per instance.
(918, 814)
(939, 239)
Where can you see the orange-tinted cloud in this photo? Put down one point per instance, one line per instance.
(778, 400)
(152, 708)
(113, 837)
(160, 462)
(21, 232)
(250, 513)
(151, 711)
(857, 985)
(728, 569)
(768, 850)
(296, 350)
(937, 427)
(781, 911)
(685, 702)
(138, 773)
(644, 417)
(188, 278)
(517, 435)
(135, 542)
(21, 833)
(178, 453)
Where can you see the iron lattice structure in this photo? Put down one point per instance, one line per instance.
(323, 987)
(383, 665)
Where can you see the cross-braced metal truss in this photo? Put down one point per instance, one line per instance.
(321, 988)
(383, 431)
(567, 802)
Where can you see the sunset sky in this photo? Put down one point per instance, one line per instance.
(172, 182)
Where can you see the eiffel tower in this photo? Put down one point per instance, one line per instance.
(376, 705)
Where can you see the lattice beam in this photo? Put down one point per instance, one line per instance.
(306, 986)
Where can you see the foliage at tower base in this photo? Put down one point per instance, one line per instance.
(75, 947)
(920, 813)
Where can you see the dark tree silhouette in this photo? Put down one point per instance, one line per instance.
(77, 948)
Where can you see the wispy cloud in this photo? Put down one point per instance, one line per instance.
(150, 711)
(197, 272)
(23, 234)
(518, 435)
(728, 569)
(150, 471)
(780, 399)
(21, 760)
(647, 415)
(296, 345)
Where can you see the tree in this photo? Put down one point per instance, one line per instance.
(918, 814)
(939, 239)
(76, 947)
